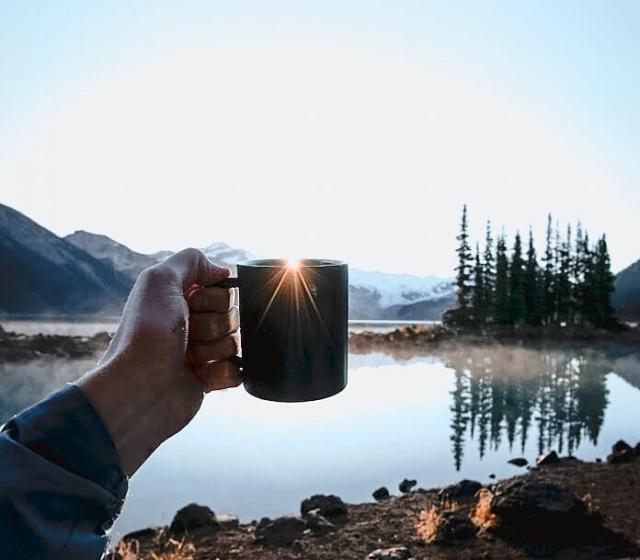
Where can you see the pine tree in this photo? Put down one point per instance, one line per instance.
(603, 284)
(502, 282)
(517, 307)
(578, 276)
(533, 286)
(563, 284)
(464, 268)
(548, 277)
(477, 294)
(489, 276)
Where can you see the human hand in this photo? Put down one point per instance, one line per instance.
(170, 348)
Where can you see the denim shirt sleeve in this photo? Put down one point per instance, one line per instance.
(61, 484)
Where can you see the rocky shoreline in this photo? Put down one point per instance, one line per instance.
(561, 508)
(18, 347)
(430, 336)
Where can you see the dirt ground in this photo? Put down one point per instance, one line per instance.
(611, 489)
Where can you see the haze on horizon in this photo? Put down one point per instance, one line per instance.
(328, 129)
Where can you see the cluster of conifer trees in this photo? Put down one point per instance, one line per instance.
(571, 284)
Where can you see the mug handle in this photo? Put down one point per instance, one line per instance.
(227, 284)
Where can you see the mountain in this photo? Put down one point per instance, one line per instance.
(41, 273)
(112, 253)
(626, 297)
(88, 273)
(379, 295)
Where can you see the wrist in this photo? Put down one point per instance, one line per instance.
(127, 408)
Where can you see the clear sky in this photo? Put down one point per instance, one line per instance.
(351, 130)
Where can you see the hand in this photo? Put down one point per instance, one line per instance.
(170, 348)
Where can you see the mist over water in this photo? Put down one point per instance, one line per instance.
(452, 413)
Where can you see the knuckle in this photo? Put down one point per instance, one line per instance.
(190, 253)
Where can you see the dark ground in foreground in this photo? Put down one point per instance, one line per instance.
(612, 490)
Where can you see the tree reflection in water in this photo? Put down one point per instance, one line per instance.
(499, 392)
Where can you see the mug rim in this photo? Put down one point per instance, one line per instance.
(282, 263)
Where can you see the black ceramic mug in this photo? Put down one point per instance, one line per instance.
(293, 325)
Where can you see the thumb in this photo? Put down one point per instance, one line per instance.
(193, 267)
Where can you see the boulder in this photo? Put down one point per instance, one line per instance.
(549, 458)
(538, 510)
(330, 507)
(281, 531)
(381, 493)
(317, 523)
(518, 462)
(463, 489)
(193, 516)
(620, 446)
(393, 553)
(618, 457)
(406, 485)
(228, 522)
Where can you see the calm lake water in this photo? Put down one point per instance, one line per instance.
(457, 413)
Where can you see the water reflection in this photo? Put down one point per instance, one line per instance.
(499, 393)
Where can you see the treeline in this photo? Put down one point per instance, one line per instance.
(571, 284)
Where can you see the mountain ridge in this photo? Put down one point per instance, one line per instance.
(42, 273)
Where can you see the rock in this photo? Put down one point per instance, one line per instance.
(330, 507)
(621, 452)
(381, 494)
(492, 476)
(620, 446)
(618, 457)
(317, 523)
(538, 510)
(406, 485)
(142, 534)
(227, 522)
(281, 531)
(550, 458)
(393, 553)
(463, 489)
(518, 462)
(193, 517)
(598, 460)
(438, 525)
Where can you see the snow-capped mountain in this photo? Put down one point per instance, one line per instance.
(400, 289)
(372, 295)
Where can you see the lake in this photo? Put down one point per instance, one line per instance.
(460, 412)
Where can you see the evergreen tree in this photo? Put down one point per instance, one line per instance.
(464, 268)
(533, 296)
(563, 284)
(602, 289)
(548, 279)
(477, 294)
(489, 276)
(577, 295)
(517, 307)
(502, 283)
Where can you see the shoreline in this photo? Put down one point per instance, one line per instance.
(19, 347)
(573, 509)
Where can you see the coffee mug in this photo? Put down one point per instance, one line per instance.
(293, 327)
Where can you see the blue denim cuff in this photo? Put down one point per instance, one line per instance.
(66, 430)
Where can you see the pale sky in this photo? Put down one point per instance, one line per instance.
(352, 130)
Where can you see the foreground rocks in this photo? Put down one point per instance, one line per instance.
(567, 509)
